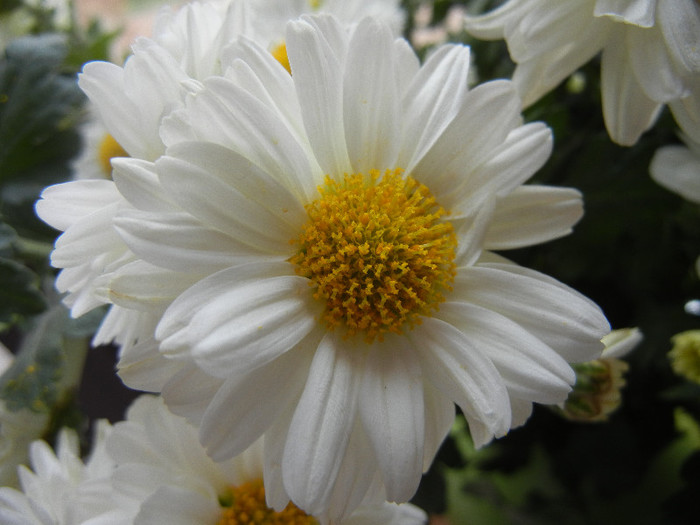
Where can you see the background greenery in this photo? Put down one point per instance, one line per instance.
(633, 253)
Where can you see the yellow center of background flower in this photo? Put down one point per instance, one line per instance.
(245, 505)
(109, 148)
(377, 251)
(280, 54)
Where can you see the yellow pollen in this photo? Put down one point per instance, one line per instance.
(280, 54)
(377, 251)
(109, 148)
(245, 505)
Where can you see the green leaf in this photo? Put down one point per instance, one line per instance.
(19, 292)
(38, 110)
(47, 367)
(8, 5)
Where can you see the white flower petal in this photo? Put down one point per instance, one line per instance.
(679, 21)
(189, 392)
(266, 215)
(530, 369)
(462, 373)
(565, 320)
(178, 506)
(522, 410)
(637, 12)
(318, 75)
(141, 286)
(627, 110)
(228, 115)
(439, 418)
(180, 242)
(137, 181)
(320, 429)
(652, 65)
(533, 215)
(258, 72)
(491, 25)
(371, 100)
(392, 413)
(274, 440)
(490, 111)
(355, 477)
(239, 318)
(90, 238)
(230, 424)
(677, 168)
(522, 153)
(432, 100)
(62, 205)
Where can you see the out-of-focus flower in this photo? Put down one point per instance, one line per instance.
(650, 53)
(685, 355)
(599, 383)
(337, 240)
(168, 477)
(61, 489)
(425, 34)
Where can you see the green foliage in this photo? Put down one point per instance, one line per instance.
(38, 111)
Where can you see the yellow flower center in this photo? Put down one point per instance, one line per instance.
(245, 505)
(109, 148)
(280, 54)
(378, 252)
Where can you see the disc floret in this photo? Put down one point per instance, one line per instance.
(378, 251)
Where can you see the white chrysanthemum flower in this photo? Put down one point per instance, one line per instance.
(130, 103)
(345, 299)
(61, 489)
(168, 476)
(650, 53)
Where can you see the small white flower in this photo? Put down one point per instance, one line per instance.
(61, 489)
(335, 226)
(650, 53)
(164, 473)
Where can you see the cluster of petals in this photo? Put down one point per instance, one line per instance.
(61, 488)
(241, 350)
(145, 470)
(650, 54)
(198, 271)
(129, 103)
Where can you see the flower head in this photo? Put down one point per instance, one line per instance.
(650, 53)
(685, 355)
(335, 227)
(597, 392)
(165, 474)
(62, 489)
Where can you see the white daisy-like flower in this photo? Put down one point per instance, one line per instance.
(130, 103)
(62, 489)
(166, 474)
(650, 53)
(345, 298)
